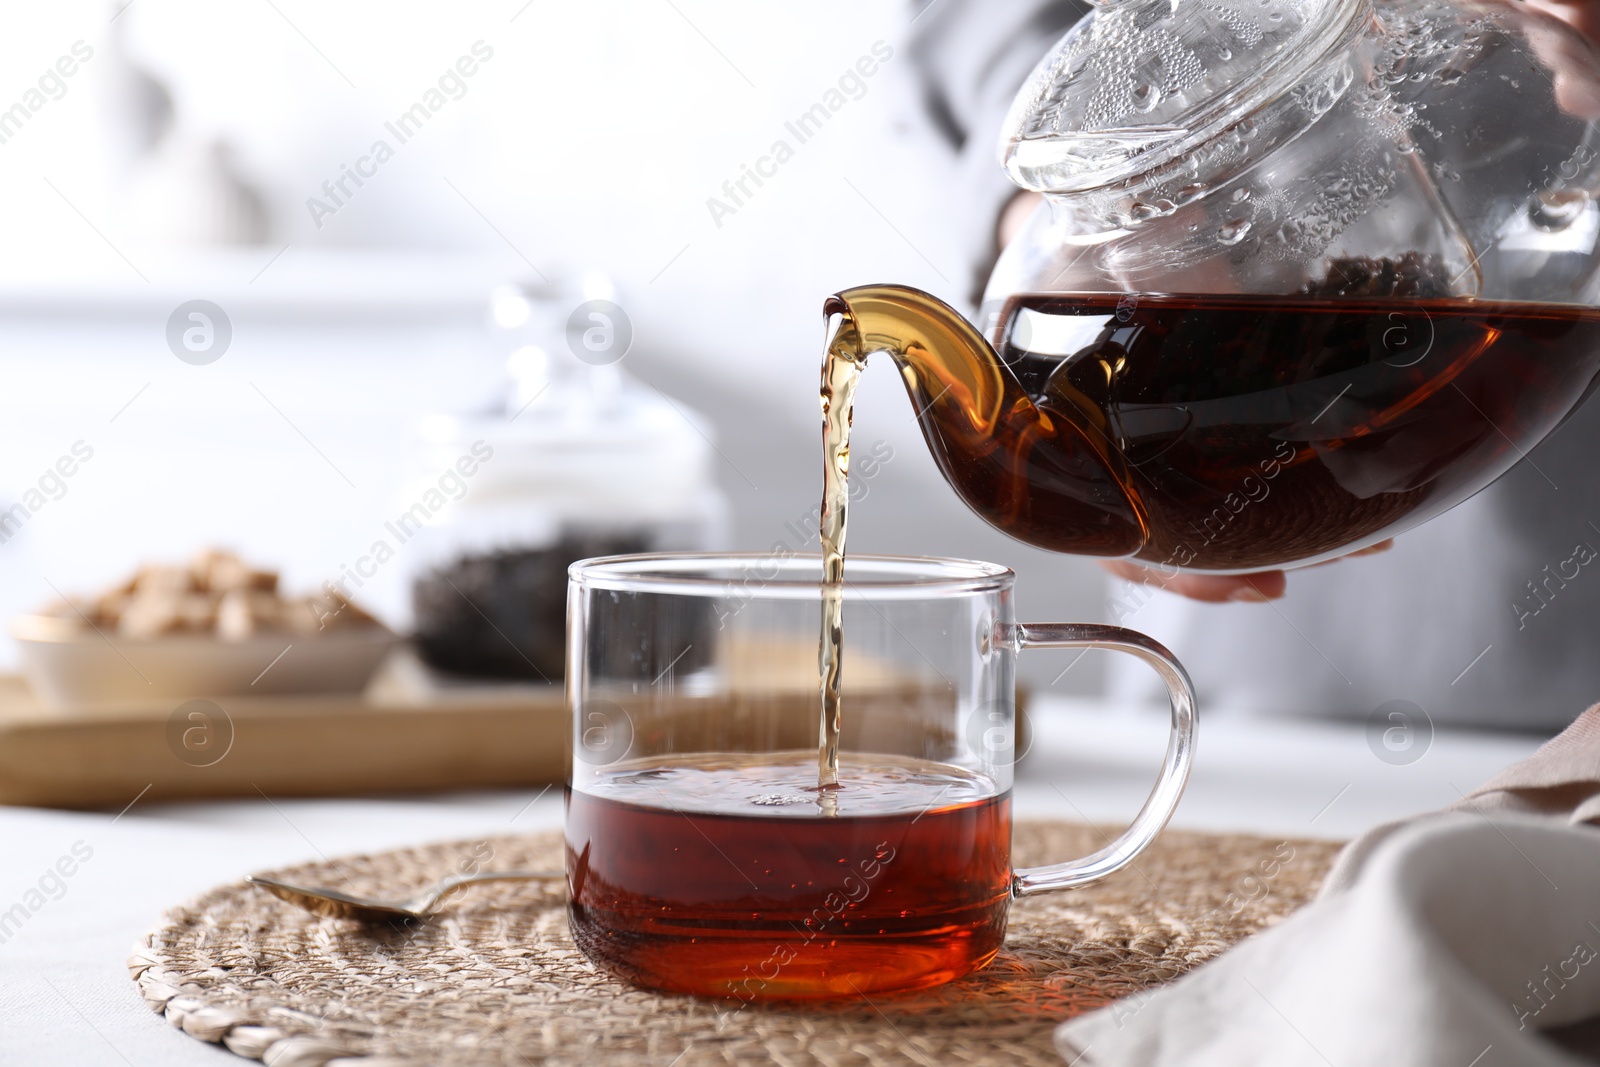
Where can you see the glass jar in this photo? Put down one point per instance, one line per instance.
(580, 460)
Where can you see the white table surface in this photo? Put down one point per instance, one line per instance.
(65, 996)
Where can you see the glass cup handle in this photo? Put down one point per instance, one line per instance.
(1163, 799)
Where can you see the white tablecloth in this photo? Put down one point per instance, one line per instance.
(65, 997)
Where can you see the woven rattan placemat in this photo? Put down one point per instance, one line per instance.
(496, 980)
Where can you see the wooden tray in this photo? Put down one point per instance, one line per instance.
(404, 734)
(407, 733)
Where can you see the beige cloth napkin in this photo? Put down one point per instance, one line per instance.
(1465, 938)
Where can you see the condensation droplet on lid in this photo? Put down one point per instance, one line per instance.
(1240, 195)
(1448, 76)
(1145, 96)
(1224, 53)
(1190, 192)
(1233, 232)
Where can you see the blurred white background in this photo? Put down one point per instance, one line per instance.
(176, 163)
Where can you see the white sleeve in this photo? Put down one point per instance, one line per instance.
(969, 57)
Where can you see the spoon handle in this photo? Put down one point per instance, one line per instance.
(449, 886)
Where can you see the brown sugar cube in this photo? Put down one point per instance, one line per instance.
(322, 613)
(151, 615)
(338, 612)
(244, 613)
(163, 579)
(201, 563)
(266, 608)
(353, 615)
(124, 587)
(235, 620)
(198, 612)
(227, 572)
(308, 616)
(107, 610)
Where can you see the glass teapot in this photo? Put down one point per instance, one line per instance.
(1306, 273)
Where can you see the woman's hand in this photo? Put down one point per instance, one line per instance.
(1576, 97)
(1257, 588)
(1582, 15)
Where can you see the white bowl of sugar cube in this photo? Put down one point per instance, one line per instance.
(213, 627)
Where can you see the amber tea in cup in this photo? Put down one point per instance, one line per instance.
(703, 855)
(725, 869)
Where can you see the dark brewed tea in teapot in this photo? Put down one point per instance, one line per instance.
(1225, 433)
(1337, 422)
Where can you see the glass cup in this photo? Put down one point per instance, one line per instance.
(702, 856)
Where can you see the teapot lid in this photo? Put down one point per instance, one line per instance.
(1138, 83)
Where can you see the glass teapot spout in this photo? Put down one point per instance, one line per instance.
(1046, 474)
